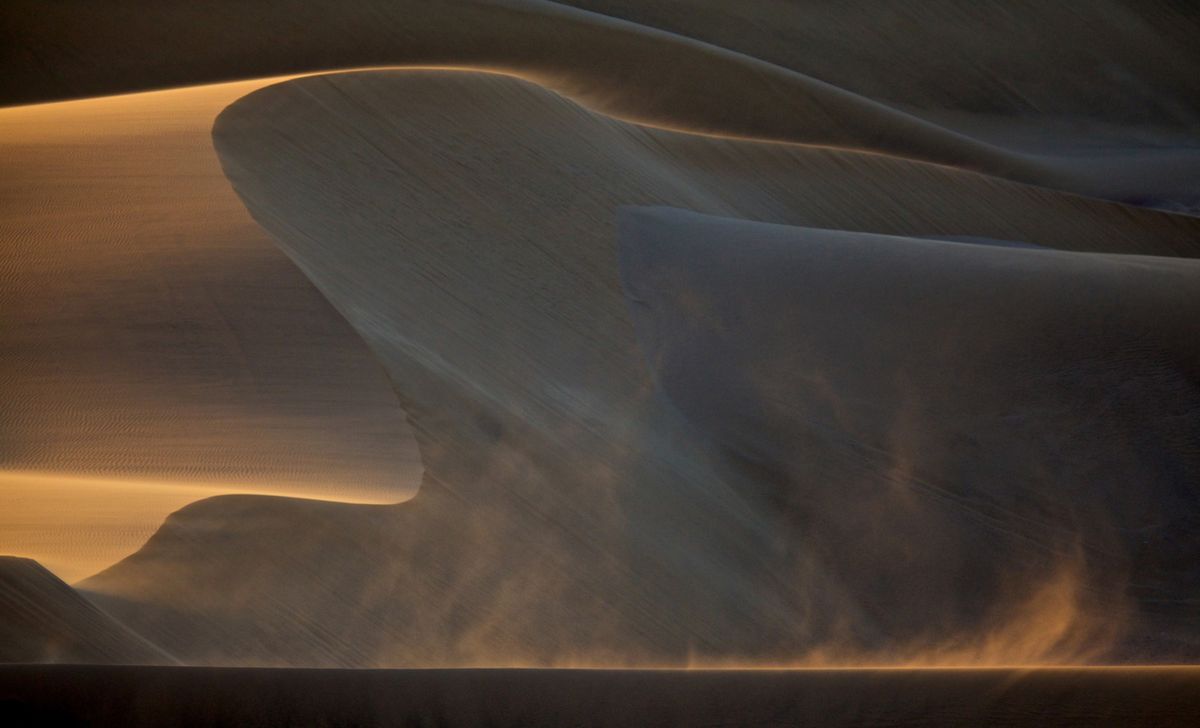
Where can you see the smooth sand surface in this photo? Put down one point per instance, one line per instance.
(158, 347)
(130, 696)
(570, 513)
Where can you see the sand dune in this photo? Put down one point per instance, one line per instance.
(44, 620)
(1131, 64)
(158, 348)
(643, 74)
(996, 414)
(885, 465)
(570, 514)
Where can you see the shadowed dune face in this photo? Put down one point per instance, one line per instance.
(1120, 60)
(980, 56)
(46, 621)
(157, 347)
(931, 415)
(571, 513)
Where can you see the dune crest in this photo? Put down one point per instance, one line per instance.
(664, 78)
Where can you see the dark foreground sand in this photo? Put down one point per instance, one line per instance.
(139, 696)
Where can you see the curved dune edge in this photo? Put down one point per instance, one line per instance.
(1166, 178)
(160, 349)
(77, 526)
(498, 312)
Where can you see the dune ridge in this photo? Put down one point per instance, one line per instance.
(46, 621)
(661, 78)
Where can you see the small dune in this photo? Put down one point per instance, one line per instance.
(44, 620)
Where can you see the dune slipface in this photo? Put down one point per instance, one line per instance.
(578, 509)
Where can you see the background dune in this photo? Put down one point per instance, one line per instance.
(644, 74)
(1120, 61)
(924, 411)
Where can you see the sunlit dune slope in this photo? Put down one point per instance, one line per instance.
(1109, 60)
(463, 223)
(157, 347)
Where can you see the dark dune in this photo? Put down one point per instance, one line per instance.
(644, 74)
(132, 697)
(44, 620)
(1132, 64)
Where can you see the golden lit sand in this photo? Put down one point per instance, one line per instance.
(158, 348)
(76, 526)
